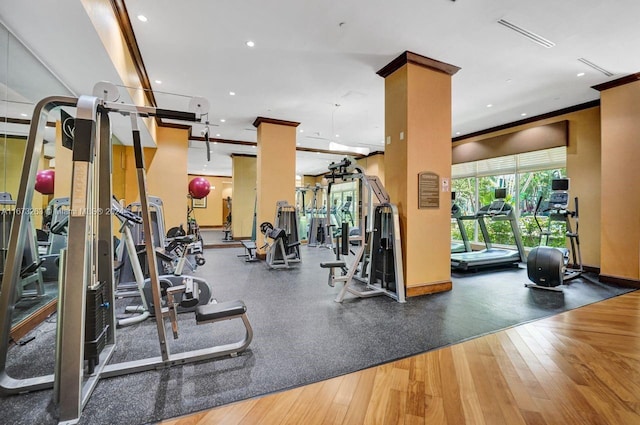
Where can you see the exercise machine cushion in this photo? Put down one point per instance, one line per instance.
(213, 312)
(332, 264)
(277, 233)
(249, 244)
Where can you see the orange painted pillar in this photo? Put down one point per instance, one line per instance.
(275, 167)
(620, 181)
(418, 148)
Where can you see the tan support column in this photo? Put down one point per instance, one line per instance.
(244, 195)
(620, 181)
(276, 167)
(63, 159)
(418, 140)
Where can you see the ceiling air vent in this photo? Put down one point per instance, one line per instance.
(596, 67)
(530, 35)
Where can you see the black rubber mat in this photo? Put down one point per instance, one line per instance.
(301, 336)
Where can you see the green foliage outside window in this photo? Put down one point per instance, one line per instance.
(532, 185)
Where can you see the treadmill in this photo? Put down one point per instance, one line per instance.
(456, 214)
(498, 210)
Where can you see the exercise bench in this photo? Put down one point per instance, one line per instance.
(250, 248)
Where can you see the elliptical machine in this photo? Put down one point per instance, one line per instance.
(548, 267)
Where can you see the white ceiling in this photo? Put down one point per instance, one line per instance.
(313, 55)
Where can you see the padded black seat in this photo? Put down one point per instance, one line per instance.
(163, 255)
(249, 244)
(213, 312)
(333, 264)
(277, 233)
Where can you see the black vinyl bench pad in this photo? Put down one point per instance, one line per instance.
(332, 264)
(213, 312)
(249, 244)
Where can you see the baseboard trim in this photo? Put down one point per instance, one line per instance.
(28, 324)
(591, 269)
(429, 288)
(620, 281)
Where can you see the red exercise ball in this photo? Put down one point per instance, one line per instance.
(45, 181)
(199, 187)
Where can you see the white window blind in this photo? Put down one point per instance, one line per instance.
(497, 166)
(466, 169)
(525, 162)
(542, 160)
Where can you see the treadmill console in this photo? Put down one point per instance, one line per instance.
(496, 206)
(559, 200)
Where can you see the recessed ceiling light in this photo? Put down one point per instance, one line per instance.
(158, 82)
(337, 135)
(301, 131)
(215, 143)
(217, 134)
(250, 43)
(24, 115)
(205, 165)
(489, 105)
(317, 153)
(142, 18)
(457, 132)
(524, 114)
(580, 74)
(232, 93)
(297, 144)
(222, 120)
(254, 146)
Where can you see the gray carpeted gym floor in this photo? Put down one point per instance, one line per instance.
(301, 336)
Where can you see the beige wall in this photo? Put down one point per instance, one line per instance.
(166, 174)
(118, 178)
(583, 167)
(244, 195)
(63, 164)
(373, 165)
(620, 232)
(212, 215)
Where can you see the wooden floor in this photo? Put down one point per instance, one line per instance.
(580, 367)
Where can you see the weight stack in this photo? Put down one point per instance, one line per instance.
(96, 325)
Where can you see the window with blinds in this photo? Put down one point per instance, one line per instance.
(524, 162)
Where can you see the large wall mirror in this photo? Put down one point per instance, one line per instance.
(24, 80)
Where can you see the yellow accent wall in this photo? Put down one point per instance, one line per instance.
(620, 231)
(418, 121)
(213, 214)
(12, 150)
(583, 168)
(244, 195)
(11, 162)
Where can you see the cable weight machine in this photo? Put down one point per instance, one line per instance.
(86, 328)
(376, 260)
